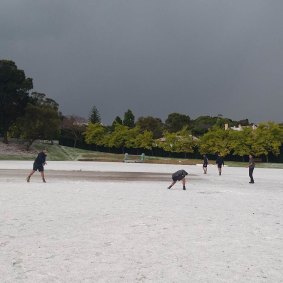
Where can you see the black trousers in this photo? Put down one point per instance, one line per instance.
(251, 170)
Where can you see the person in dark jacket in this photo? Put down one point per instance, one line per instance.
(179, 176)
(251, 168)
(220, 163)
(205, 163)
(38, 165)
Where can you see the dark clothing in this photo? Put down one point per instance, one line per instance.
(41, 158)
(251, 163)
(39, 162)
(205, 161)
(38, 167)
(179, 175)
(219, 161)
(251, 169)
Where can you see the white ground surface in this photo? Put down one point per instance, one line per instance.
(222, 229)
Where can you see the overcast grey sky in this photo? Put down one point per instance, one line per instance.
(155, 57)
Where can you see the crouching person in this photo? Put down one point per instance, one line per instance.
(179, 176)
(38, 165)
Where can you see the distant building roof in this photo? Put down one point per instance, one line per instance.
(240, 127)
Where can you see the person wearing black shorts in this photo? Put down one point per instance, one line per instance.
(38, 165)
(179, 176)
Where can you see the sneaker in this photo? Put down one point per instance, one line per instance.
(28, 179)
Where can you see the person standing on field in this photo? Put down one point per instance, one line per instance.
(220, 163)
(38, 165)
(251, 168)
(205, 163)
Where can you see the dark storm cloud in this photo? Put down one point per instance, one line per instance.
(151, 56)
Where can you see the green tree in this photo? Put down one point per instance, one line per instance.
(202, 124)
(14, 95)
(94, 116)
(95, 133)
(129, 119)
(118, 137)
(131, 137)
(187, 142)
(117, 120)
(181, 141)
(145, 140)
(241, 141)
(41, 121)
(221, 121)
(175, 122)
(151, 124)
(268, 138)
(40, 99)
(216, 140)
(169, 142)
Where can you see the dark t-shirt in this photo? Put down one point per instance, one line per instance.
(251, 163)
(179, 175)
(219, 161)
(40, 159)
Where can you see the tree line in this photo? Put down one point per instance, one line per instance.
(31, 115)
(264, 140)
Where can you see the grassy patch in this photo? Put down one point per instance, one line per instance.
(60, 153)
(16, 151)
(63, 153)
(16, 157)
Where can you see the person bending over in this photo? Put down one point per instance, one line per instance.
(179, 176)
(38, 165)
